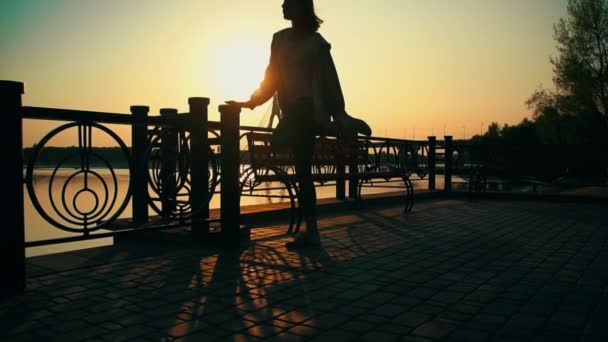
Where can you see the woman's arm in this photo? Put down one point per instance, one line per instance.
(269, 85)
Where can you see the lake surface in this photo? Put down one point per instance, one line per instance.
(68, 184)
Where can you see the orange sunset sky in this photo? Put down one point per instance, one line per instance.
(410, 68)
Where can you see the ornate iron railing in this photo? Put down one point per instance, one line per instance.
(159, 166)
(167, 172)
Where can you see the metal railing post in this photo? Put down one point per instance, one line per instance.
(432, 162)
(449, 151)
(230, 163)
(139, 174)
(169, 149)
(12, 243)
(341, 178)
(353, 169)
(199, 169)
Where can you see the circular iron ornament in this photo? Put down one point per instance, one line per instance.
(169, 175)
(81, 193)
(73, 211)
(66, 212)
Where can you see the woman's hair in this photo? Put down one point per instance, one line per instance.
(309, 18)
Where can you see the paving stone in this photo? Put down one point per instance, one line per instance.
(394, 329)
(303, 330)
(127, 334)
(379, 336)
(328, 321)
(371, 318)
(357, 326)
(186, 328)
(415, 339)
(263, 331)
(431, 309)
(466, 308)
(525, 322)
(454, 316)
(423, 293)
(296, 316)
(447, 297)
(389, 310)
(569, 319)
(501, 308)
(435, 329)
(469, 335)
(411, 319)
(336, 335)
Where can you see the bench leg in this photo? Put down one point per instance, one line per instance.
(409, 192)
(409, 199)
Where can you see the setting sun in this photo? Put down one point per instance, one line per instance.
(238, 67)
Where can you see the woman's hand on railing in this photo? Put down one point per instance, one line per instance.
(241, 104)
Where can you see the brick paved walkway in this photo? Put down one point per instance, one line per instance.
(452, 270)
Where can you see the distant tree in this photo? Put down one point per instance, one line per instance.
(523, 133)
(549, 126)
(580, 71)
(493, 130)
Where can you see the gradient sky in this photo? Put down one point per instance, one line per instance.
(408, 67)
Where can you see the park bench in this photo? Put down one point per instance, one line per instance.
(333, 160)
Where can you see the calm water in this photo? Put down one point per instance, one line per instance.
(70, 183)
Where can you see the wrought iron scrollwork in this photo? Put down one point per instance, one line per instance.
(409, 156)
(418, 161)
(84, 194)
(169, 162)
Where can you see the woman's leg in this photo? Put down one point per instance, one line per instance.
(298, 123)
(303, 153)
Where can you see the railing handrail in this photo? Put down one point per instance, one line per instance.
(60, 114)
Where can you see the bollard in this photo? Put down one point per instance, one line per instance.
(229, 186)
(139, 174)
(169, 150)
(12, 243)
(432, 162)
(449, 151)
(199, 169)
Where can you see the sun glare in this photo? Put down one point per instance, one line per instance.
(238, 67)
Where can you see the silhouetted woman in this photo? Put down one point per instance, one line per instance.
(302, 73)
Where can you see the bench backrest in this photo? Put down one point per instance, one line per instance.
(328, 152)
